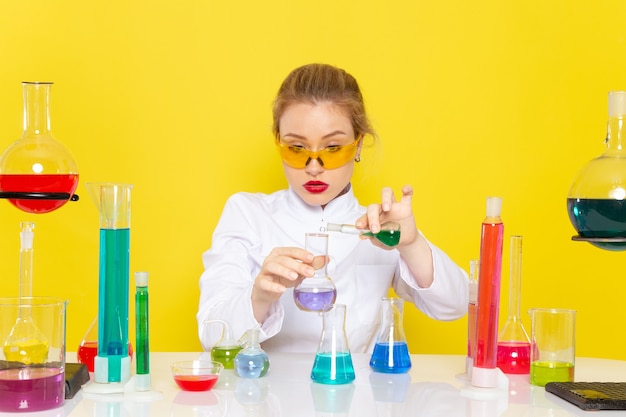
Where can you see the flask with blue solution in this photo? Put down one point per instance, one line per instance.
(251, 361)
(391, 352)
(333, 361)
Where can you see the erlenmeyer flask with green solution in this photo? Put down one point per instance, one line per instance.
(26, 343)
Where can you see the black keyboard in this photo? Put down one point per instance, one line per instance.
(591, 395)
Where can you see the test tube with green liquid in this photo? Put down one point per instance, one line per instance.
(142, 335)
(389, 234)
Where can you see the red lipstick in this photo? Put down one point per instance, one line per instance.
(315, 187)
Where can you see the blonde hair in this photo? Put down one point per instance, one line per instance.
(322, 83)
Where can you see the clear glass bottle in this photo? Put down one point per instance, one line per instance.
(513, 341)
(333, 360)
(38, 174)
(596, 202)
(251, 361)
(318, 291)
(391, 352)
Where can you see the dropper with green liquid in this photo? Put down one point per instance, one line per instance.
(389, 234)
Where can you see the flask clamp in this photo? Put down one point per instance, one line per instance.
(28, 195)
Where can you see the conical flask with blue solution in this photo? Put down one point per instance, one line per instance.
(391, 352)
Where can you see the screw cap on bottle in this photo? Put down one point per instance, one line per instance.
(617, 103)
(141, 279)
(494, 206)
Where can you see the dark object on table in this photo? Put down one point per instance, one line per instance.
(76, 374)
(591, 395)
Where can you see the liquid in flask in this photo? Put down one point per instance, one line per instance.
(333, 360)
(513, 355)
(88, 347)
(318, 291)
(595, 202)
(251, 361)
(391, 352)
(226, 348)
(37, 173)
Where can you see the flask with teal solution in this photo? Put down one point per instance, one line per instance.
(333, 361)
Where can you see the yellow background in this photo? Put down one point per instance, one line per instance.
(470, 99)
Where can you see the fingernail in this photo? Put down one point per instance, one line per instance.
(293, 275)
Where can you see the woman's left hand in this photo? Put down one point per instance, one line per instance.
(389, 209)
(413, 247)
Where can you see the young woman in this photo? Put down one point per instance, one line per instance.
(257, 257)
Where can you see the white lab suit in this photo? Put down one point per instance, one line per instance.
(253, 224)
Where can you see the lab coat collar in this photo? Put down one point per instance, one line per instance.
(337, 209)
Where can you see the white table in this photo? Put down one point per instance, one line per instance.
(432, 388)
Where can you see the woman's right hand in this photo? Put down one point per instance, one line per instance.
(283, 268)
